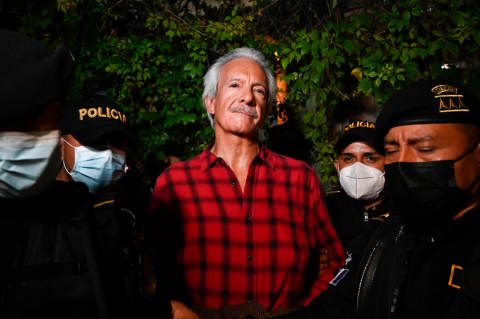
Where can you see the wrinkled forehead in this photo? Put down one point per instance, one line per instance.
(440, 133)
(243, 69)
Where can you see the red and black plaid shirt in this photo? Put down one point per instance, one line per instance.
(233, 247)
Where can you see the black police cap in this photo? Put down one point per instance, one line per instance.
(428, 102)
(93, 117)
(354, 132)
(31, 78)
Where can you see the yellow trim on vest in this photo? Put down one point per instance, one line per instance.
(332, 192)
(451, 276)
(106, 202)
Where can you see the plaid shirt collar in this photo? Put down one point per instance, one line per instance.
(208, 159)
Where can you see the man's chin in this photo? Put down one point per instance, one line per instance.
(242, 130)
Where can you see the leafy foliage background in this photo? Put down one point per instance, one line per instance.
(150, 55)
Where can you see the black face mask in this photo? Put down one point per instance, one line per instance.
(426, 190)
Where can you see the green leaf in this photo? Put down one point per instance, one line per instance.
(285, 63)
(308, 116)
(476, 36)
(348, 45)
(406, 15)
(392, 80)
(318, 119)
(454, 48)
(400, 77)
(304, 48)
(438, 33)
(413, 33)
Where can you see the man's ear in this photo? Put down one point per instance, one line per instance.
(210, 104)
(337, 166)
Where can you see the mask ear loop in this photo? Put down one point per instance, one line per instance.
(471, 149)
(383, 175)
(475, 145)
(65, 167)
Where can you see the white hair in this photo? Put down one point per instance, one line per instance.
(210, 80)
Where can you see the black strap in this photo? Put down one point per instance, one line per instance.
(81, 215)
(94, 273)
(11, 275)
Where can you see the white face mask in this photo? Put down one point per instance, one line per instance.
(362, 182)
(29, 162)
(99, 169)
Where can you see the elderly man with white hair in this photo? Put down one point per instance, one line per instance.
(238, 223)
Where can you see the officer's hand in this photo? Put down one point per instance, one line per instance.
(180, 311)
(325, 261)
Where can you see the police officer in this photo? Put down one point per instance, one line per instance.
(32, 239)
(94, 147)
(423, 262)
(49, 239)
(363, 200)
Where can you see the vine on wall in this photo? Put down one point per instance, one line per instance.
(151, 55)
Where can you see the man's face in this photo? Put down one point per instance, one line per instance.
(435, 142)
(240, 105)
(111, 140)
(361, 151)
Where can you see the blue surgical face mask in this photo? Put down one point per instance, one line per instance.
(29, 162)
(98, 168)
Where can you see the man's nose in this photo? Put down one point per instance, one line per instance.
(404, 154)
(246, 97)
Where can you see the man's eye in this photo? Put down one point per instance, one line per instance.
(390, 152)
(426, 151)
(260, 91)
(234, 85)
(371, 159)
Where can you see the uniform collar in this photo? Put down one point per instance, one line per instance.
(208, 159)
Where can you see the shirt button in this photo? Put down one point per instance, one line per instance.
(247, 218)
(249, 257)
(233, 184)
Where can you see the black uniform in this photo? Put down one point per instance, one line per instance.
(45, 267)
(400, 271)
(350, 218)
(420, 262)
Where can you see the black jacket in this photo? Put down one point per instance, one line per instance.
(44, 266)
(405, 271)
(350, 218)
